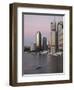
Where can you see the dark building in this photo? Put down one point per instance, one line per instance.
(56, 41)
(38, 41)
(44, 43)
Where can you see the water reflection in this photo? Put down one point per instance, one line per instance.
(35, 64)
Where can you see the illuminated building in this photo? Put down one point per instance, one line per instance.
(38, 40)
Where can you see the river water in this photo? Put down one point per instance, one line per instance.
(37, 64)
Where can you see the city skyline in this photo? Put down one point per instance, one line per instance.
(34, 23)
(43, 44)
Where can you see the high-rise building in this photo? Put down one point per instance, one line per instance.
(60, 35)
(44, 43)
(53, 37)
(38, 40)
(56, 41)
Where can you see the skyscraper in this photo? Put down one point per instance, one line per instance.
(44, 43)
(38, 40)
(53, 37)
(60, 35)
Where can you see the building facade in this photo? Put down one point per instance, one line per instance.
(60, 36)
(44, 43)
(33, 47)
(53, 37)
(38, 40)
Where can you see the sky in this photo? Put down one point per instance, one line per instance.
(34, 23)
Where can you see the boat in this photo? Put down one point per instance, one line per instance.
(43, 52)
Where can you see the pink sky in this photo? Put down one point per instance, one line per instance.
(34, 23)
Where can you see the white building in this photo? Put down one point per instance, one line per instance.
(38, 40)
